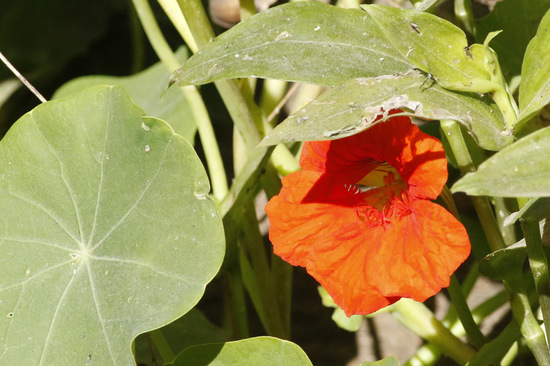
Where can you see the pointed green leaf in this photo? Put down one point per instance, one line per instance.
(435, 46)
(536, 209)
(520, 170)
(107, 230)
(355, 106)
(146, 90)
(300, 41)
(259, 351)
(506, 265)
(518, 21)
(534, 91)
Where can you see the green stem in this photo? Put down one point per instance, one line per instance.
(452, 131)
(463, 13)
(172, 10)
(417, 317)
(138, 54)
(464, 314)
(530, 329)
(161, 344)
(236, 305)
(538, 262)
(212, 153)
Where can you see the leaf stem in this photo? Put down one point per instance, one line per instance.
(463, 13)
(204, 125)
(453, 133)
(464, 314)
(530, 329)
(538, 262)
(417, 317)
(161, 344)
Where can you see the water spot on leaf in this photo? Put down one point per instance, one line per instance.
(283, 35)
(317, 28)
(145, 127)
(147, 148)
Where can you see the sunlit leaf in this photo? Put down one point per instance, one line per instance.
(520, 170)
(433, 45)
(354, 106)
(518, 20)
(300, 41)
(534, 91)
(146, 89)
(259, 351)
(97, 241)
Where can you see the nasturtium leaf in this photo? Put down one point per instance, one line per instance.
(300, 41)
(534, 91)
(388, 361)
(107, 230)
(356, 105)
(435, 46)
(258, 351)
(518, 20)
(520, 170)
(146, 89)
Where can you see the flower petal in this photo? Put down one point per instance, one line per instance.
(417, 157)
(326, 238)
(419, 252)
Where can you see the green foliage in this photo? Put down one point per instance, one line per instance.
(94, 248)
(301, 41)
(520, 170)
(259, 351)
(534, 92)
(143, 86)
(359, 104)
(518, 20)
(388, 361)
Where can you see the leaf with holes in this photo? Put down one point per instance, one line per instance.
(106, 232)
(361, 103)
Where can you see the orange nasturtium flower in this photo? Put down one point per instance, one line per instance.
(358, 216)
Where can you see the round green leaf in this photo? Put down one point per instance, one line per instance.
(259, 351)
(146, 88)
(106, 232)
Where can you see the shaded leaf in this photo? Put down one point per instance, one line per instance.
(354, 107)
(520, 170)
(146, 89)
(96, 242)
(534, 91)
(191, 329)
(388, 361)
(505, 264)
(259, 351)
(518, 20)
(300, 41)
(435, 46)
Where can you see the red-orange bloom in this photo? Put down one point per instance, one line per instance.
(359, 217)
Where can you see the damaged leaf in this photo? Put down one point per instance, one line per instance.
(356, 106)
